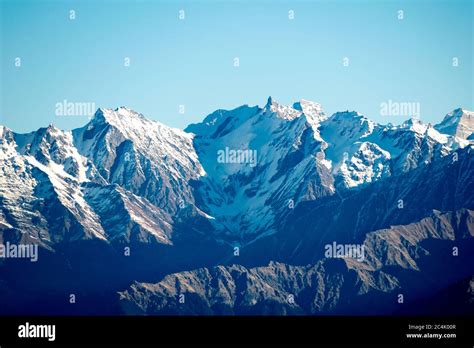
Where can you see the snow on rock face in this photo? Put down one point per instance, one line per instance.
(413, 144)
(400, 148)
(311, 110)
(248, 195)
(17, 184)
(220, 122)
(314, 115)
(150, 138)
(341, 132)
(49, 170)
(41, 202)
(344, 132)
(127, 217)
(283, 111)
(52, 146)
(70, 196)
(146, 157)
(367, 164)
(415, 125)
(7, 143)
(291, 154)
(458, 123)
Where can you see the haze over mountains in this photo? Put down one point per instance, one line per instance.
(130, 214)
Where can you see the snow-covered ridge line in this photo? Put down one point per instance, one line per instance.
(301, 154)
(120, 117)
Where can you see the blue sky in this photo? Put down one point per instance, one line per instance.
(190, 62)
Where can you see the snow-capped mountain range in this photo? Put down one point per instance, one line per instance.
(125, 180)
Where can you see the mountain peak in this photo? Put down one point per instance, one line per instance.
(351, 118)
(415, 125)
(52, 129)
(3, 131)
(459, 123)
(303, 104)
(121, 113)
(282, 111)
(270, 101)
(347, 114)
(128, 122)
(313, 111)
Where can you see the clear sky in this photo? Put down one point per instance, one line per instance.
(190, 62)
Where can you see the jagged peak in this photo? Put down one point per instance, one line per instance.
(350, 124)
(4, 130)
(285, 112)
(457, 115)
(415, 125)
(270, 101)
(352, 118)
(348, 115)
(412, 121)
(312, 110)
(129, 121)
(7, 143)
(7, 137)
(52, 129)
(462, 112)
(459, 123)
(111, 115)
(215, 120)
(302, 103)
